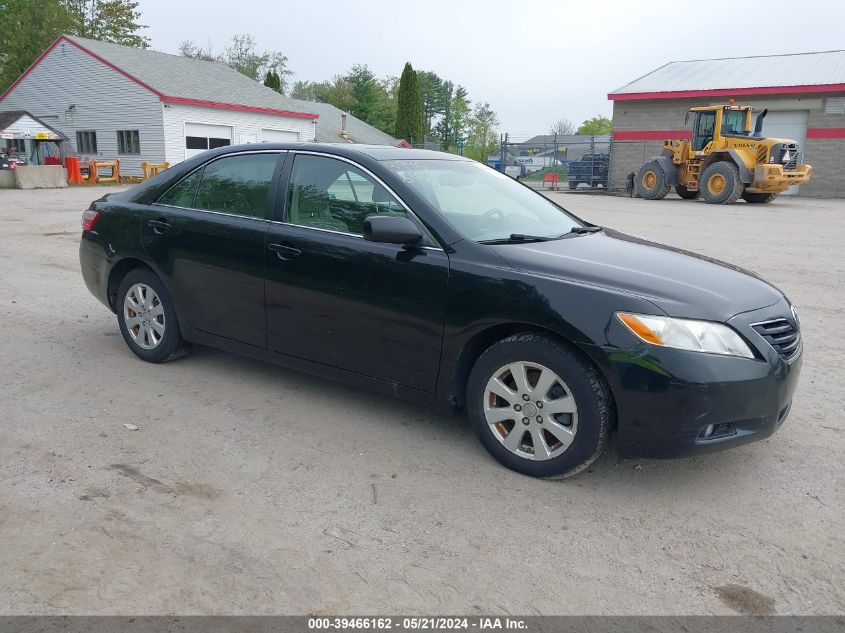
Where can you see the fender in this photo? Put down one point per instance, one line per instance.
(745, 175)
(670, 170)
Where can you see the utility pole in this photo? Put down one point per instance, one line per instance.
(502, 142)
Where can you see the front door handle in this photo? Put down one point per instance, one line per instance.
(159, 226)
(284, 252)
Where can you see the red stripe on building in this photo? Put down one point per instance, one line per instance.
(163, 97)
(650, 135)
(724, 92)
(826, 132)
(235, 106)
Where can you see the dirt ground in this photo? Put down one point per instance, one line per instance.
(253, 489)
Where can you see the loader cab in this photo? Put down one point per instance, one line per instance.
(712, 123)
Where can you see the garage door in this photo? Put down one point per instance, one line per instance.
(791, 125)
(201, 136)
(279, 136)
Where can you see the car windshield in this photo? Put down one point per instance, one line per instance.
(482, 203)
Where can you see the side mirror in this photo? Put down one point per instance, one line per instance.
(391, 229)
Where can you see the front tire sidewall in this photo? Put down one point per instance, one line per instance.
(172, 339)
(592, 419)
(733, 185)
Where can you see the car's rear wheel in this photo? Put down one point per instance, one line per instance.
(148, 319)
(538, 407)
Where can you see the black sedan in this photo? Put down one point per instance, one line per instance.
(436, 279)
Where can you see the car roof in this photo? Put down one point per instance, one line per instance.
(349, 150)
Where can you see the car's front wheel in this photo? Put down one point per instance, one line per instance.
(147, 318)
(539, 407)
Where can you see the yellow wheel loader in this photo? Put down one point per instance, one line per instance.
(724, 161)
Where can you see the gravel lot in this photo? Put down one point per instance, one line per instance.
(253, 489)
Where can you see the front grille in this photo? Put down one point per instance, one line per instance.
(792, 148)
(784, 337)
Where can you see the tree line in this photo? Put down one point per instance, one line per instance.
(419, 106)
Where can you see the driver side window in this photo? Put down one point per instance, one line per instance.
(326, 193)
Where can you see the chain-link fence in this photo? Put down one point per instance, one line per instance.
(550, 160)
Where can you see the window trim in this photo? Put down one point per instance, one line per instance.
(121, 139)
(281, 153)
(427, 236)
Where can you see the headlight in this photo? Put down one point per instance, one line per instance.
(695, 336)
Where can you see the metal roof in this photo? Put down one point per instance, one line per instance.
(801, 72)
(204, 83)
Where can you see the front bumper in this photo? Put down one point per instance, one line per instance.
(773, 178)
(667, 399)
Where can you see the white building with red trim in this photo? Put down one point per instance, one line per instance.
(137, 105)
(804, 93)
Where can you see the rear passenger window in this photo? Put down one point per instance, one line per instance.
(238, 184)
(182, 193)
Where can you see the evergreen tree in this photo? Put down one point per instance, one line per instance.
(409, 114)
(273, 80)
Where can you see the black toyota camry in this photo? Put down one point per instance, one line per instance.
(437, 279)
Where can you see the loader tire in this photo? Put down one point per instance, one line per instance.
(758, 197)
(651, 181)
(720, 183)
(685, 193)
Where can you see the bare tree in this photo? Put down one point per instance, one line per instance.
(562, 127)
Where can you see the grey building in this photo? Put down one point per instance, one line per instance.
(804, 93)
(137, 105)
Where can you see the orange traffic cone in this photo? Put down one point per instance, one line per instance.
(74, 174)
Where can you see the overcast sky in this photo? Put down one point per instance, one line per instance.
(534, 61)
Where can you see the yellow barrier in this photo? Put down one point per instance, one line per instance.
(94, 167)
(151, 169)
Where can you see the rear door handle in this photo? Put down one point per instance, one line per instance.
(159, 226)
(284, 252)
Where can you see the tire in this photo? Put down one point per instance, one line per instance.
(577, 386)
(573, 184)
(156, 308)
(685, 193)
(758, 197)
(720, 183)
(651, 181)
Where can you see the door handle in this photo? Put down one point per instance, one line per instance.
(284, 252)
(159, 226)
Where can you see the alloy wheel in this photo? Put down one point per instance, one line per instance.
(530, 410)
(143, 314)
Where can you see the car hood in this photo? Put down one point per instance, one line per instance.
(680, 283)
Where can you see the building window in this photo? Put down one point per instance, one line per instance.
(16, 146)
(128, 142)
(86, 142)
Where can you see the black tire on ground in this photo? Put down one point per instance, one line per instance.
(651, 181)
(172, 346)
(573, 184)
(758, 197)
(588, 388)
(720, 183)
(685, 193)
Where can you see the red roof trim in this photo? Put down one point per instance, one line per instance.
(234, 106)
(724, 92)
(826, 132)
(650, 135)
(163, 97)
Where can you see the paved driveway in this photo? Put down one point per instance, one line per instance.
(250, 488)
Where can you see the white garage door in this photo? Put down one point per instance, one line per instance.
(279, 136)
(790, 125)
(201, 136)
